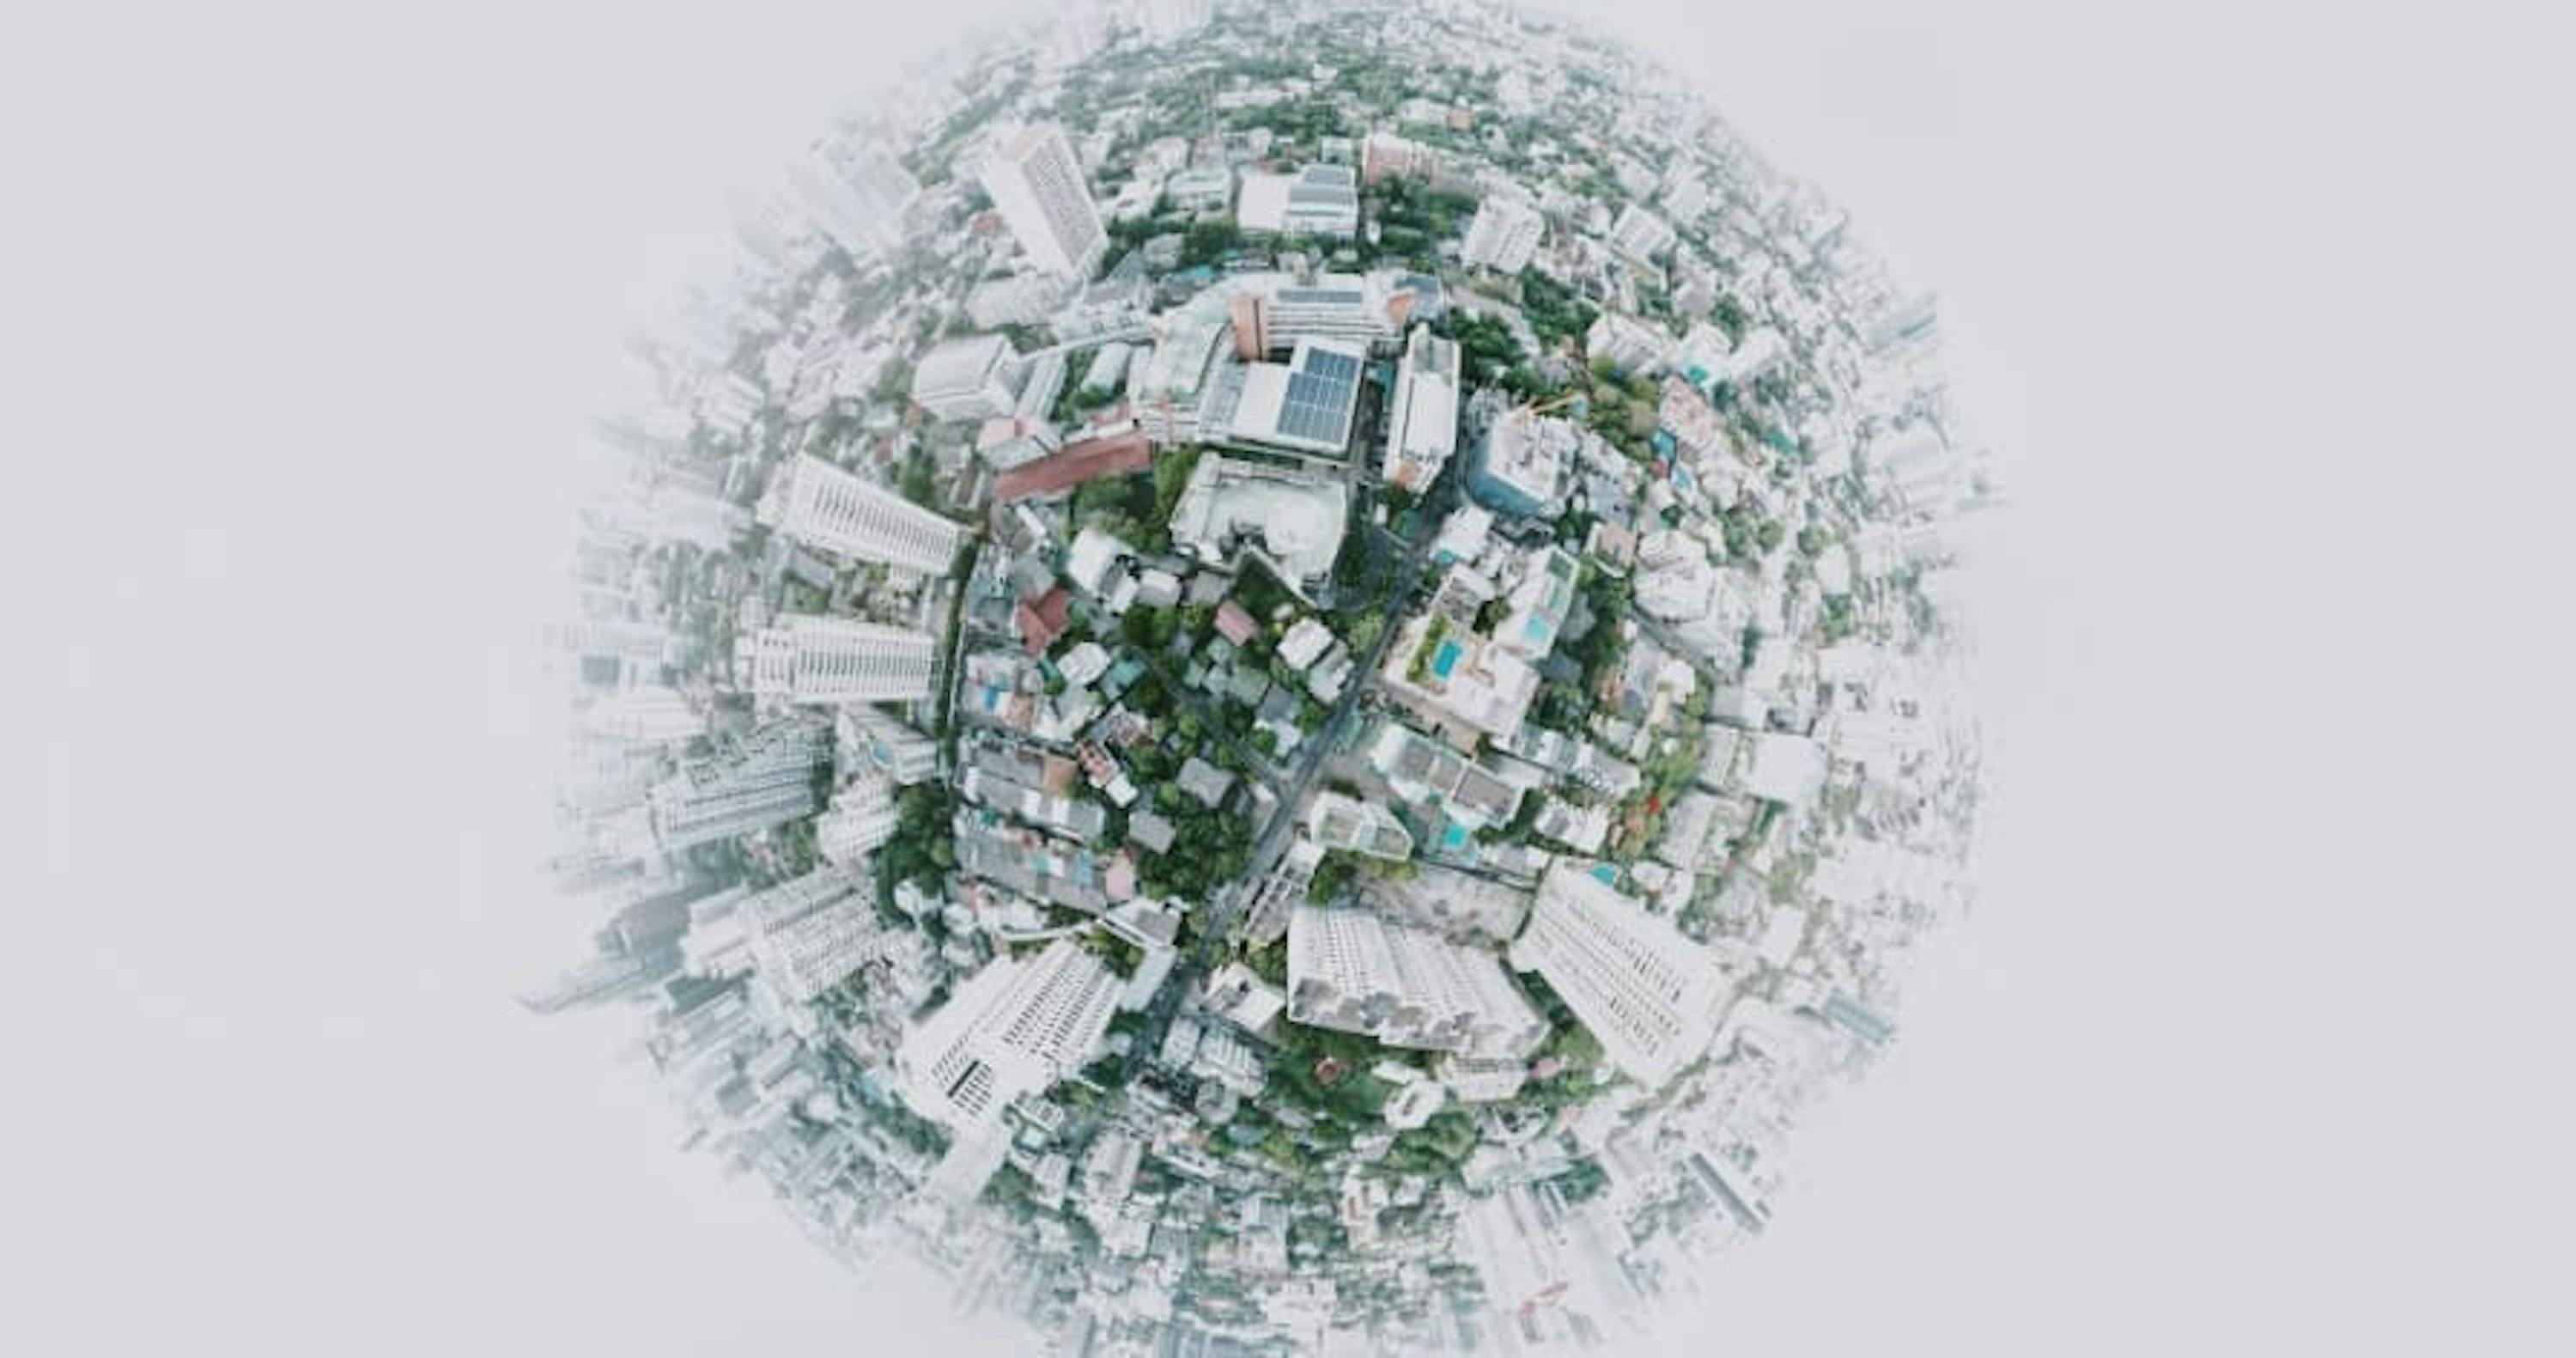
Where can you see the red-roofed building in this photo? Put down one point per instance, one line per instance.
(1234, 624)
(1115, 455)
(1045, 619)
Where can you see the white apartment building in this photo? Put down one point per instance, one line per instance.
(1504, 235)
(1355, 971)
(1462, 682)
(1640, 234)
(765, 780)
(898, 751)
(1036, 181)
(1170, 385)
(1652, 997)
(974, 377)
(1422, 420)
(1482, 1079)
(1631, 345)
(809, 935)
(805, 658)
(648, 715)
(861, 817)
(1525, 463)
(1347, 823)
(1016, 299)
(831, 510)
(1014, 1028)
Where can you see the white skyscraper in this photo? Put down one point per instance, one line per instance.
(892, 748)
(805, 941)
(1014, 1028)
(646, 715)
(1640, 234)
(1630, 344)
(1356, 971)
(1422, 422)
(809, 659)
(824, 507)
(857, 192)
(765, 780)
(804, 936)
(974, 377)
(1036, 181)
(861, 818)
(1504, 235)
(1652, 997)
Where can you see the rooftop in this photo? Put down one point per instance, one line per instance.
(1115, 455)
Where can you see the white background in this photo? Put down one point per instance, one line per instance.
(2256, 1044)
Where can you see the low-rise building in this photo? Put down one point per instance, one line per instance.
(1318, 200)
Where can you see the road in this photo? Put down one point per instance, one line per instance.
(1220, 912)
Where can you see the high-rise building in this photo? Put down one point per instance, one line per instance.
(892, 748)
(824, 507)
(810, 934)
(1170, 387)
(611, 639)
(1631, 345)
(1036, 181)
(769, 777)
(857, 192)
(1465, 683)
(1390, 155)
(1525, 464)
(805, 658)
(1504, 236)
(974, 377)
(1014, 1028)
(862, 817)
(1356, 971)
(647, 715)
(803, 936)
(1652, 997)
(1640, 234)
(1422, 421)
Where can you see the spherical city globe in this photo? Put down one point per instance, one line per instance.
(1271, 682)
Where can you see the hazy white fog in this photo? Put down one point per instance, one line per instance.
(2255, 1045)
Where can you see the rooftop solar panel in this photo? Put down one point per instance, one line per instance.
(1339, 368)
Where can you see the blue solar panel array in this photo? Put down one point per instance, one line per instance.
(1319, 397)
